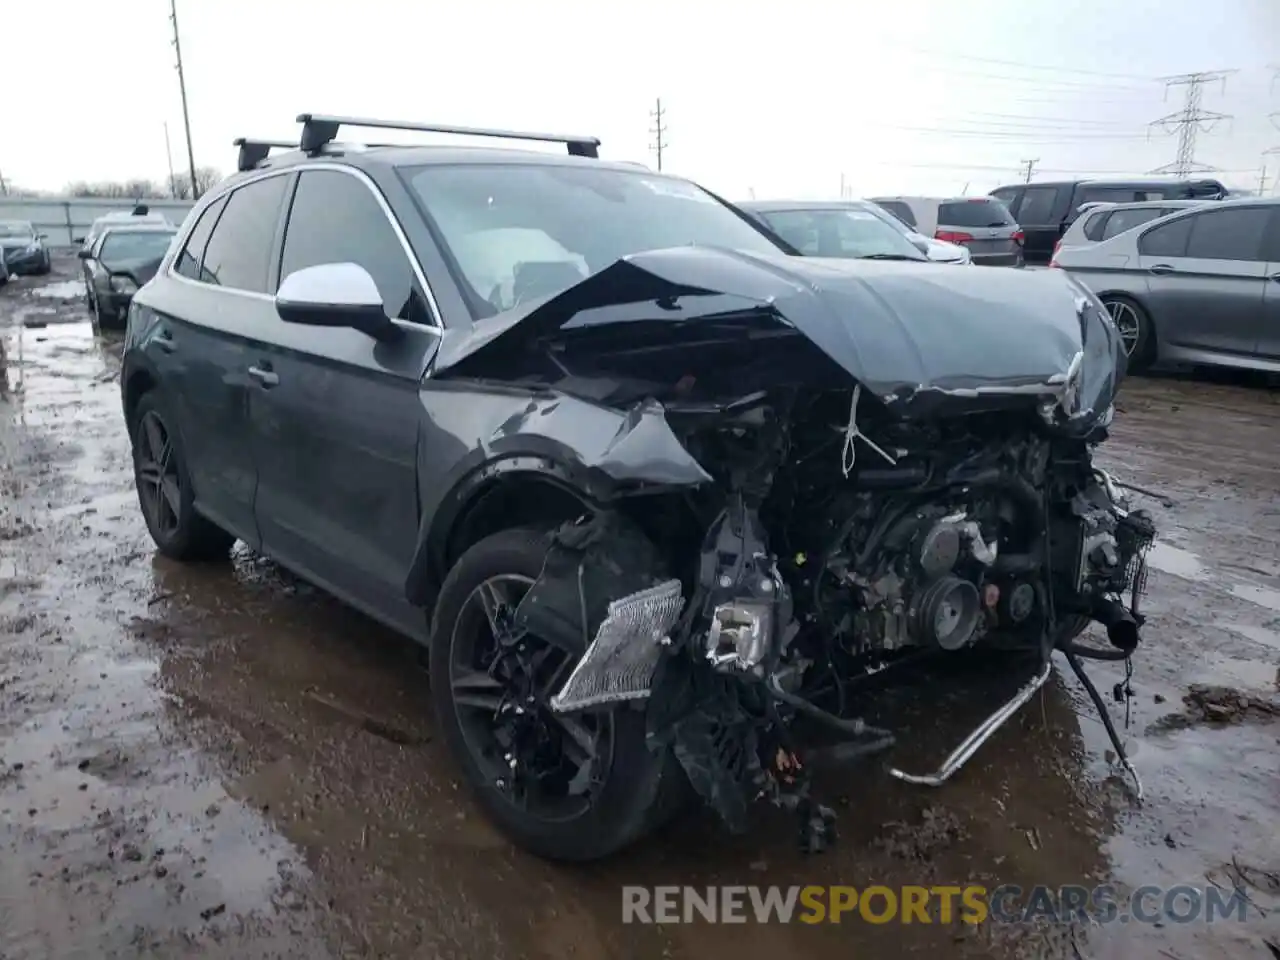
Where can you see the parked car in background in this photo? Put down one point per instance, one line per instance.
(1200, 286)
(23, 249)
(982, 225)
(842, 229)
(939, 251)
(1102, 221)
(118, 263)
(121, 218)
(1045, 210)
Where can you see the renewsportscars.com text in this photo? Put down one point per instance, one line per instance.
(972, 904)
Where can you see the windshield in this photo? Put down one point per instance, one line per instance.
(842, 233)
(135, 246)
(520, 232)
(16, 228)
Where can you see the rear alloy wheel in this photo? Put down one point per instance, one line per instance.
(575, 786)
(164, 490)
(1134, 327)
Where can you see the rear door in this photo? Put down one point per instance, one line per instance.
(335, 414)
(1207, 278)
(1038, 215)
(224, 307)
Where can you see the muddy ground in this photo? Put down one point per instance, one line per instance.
(223, 762)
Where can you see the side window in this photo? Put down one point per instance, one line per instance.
(1095, 224)
(1229, 234)
(336, 219)
(1037, 207)
(239, 252)
(899, 210)
(1007, 196)
(1122, 220)
(188, 262)
(796, 227)
(1167, 240)
(1107, 195)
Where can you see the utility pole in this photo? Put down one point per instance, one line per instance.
(1262, 181)
(168, 155)
(1030, 165)
(659, 131)
(182, 88)
(1190, 120)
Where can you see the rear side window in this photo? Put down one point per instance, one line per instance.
(336, 219)
(1229, 234)
(899, 210)
(1110, 195)
(239, 252)
(1122, 220)
(1167, 240)
(1038, 204)
(1006, 195)
(1094, 224)
(981, 212)
(188, 264)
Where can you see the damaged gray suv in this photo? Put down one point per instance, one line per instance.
(653, 490)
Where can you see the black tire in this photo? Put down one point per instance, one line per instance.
(1125, 310)
(625, 806)
(193, 537)
(46, 266)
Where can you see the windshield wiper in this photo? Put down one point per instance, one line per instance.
(890, 256)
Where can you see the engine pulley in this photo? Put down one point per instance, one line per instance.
(947, 613)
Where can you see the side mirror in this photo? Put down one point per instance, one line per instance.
(335, 295)
(77, 239)
(84, 254)
(920, 243)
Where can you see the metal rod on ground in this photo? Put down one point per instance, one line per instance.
(182, 88)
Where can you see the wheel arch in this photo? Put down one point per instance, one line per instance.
(514, 491)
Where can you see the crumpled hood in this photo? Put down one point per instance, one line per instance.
(910, 333)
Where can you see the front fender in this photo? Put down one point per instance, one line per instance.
(594, 452)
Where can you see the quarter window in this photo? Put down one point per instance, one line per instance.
(239, 252)
(335, 218)
(1229, 234)
(188, 264)
(1167, 240)
(1094, 225)
(1122, 220)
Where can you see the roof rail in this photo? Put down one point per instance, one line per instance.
(253, 152)
(319, 129)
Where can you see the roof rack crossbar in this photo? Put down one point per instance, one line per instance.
(253, 152)
(319, 129)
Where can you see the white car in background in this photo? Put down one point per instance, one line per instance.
(797, 220)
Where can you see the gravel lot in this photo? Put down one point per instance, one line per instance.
(223, 762)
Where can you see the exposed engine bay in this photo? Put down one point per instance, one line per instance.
(837, 538)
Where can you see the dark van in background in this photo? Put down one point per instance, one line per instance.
(1045, 210)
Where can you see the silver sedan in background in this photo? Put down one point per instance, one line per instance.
(1200, 286)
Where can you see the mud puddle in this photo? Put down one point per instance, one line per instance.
(222, 761)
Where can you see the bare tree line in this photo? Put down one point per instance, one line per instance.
(137, 188)
(140, 188)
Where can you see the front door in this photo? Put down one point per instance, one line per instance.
(336, 414)
(1209, 296)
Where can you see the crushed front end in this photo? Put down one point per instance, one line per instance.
(845, 523)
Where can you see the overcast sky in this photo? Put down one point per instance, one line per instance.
(772, 99)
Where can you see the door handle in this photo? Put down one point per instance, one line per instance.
(1160, 269)
(264, 375)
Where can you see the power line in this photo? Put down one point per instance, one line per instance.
(1190, 120)
(659, 131)
(1015, 63)
(182, 89)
